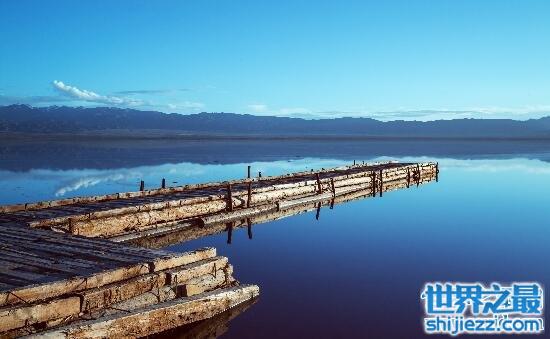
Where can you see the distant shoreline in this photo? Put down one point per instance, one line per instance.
(162, 135)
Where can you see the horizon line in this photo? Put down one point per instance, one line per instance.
(287, 117)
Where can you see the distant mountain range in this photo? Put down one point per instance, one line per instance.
(23, 119)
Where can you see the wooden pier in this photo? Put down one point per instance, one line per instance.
(119, 214)
(86, 267)
(175, 233)
(73, 286)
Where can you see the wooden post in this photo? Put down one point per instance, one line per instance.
(319, 183)
(260, 174)
(353, 162)
(373, 183)
(229, 232)
(142, 185)
(318, 211)
(249, 227)
(332, 204)
(381, 183)
(249, 194)
(417, 175)
(163, 184)
(229, 198)
(408, 177)
(248, 172)
(436, 172)
(333, 187)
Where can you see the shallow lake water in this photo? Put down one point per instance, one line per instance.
(357, 271)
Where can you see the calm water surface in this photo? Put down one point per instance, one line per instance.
(359, 269)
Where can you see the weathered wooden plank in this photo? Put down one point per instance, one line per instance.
(182, 274)
(31, 293)
(167, 227)
(15, 317)
(35, 292)
(207, 282)
(237, 215)
(146, 299)
(158, 318)
(105, 296)
(171, 260)
(68, 250)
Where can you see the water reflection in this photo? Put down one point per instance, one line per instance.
(356, 271)
(188, 231)
(23, 156)
(64, 169)
(209, 328)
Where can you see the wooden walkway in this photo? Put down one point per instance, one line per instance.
(123, 213)
(72, 284)
(59, 278)
(180, 232)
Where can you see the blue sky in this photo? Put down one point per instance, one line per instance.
(384, 59)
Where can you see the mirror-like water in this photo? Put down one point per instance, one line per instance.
(359, 269)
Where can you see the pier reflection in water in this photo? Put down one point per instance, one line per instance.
(193, 231)
(209, 328)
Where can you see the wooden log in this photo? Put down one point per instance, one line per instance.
(146, 299)
(20, 316)
(158, 318)
(286, 204)
(222, 279)
(103, 297)
(182, 274)
(236, 215)
(172, 260)
(168, 227)
(207, 282)
(123, 223)
(177, 236)
(36, 292)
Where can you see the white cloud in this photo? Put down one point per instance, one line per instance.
(90, 181)
(186, 105)
(409, 114)
(85, 95)
(294, 111)
(257, 108)
(78, 94)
